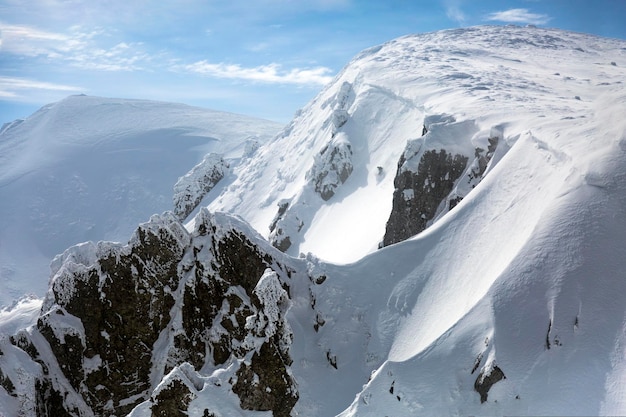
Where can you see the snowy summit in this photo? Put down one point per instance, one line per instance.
(441, 231)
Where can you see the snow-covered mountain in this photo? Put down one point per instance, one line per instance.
(90, 168)
(488, 163)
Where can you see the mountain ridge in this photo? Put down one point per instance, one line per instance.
(92, 168)
(508, 303)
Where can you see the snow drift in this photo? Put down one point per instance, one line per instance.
(509, 302)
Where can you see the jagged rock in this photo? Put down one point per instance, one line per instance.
(119, 317)
(191, 188)
(482, 159)
(283, 205)
(486, 379)
(172, 397)
(419, 192)
(6, 383)
(285, 224)
(265, 384)
(332, 167)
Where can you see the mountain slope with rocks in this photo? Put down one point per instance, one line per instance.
(92, 168)
(470, 188)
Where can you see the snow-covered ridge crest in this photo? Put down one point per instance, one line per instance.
(509, 303)
(512, 79)
(191, 188)
(92, 168)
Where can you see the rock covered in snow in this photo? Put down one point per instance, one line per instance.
(332, 167)
(191, 188)
(436, 171)
(492, 310)
(118, 318)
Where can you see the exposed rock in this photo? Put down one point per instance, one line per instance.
(172, 397)
(332, 167)
(191, 188)
(200, 298)
(486, 379)
(283, 205)
(6, 383)
(482, 158)
(266, 384)
(418, 193)
(286, 223)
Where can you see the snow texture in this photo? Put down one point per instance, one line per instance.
(509, 303)
(91, 168)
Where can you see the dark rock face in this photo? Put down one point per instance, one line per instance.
(285, 223)
(110, 322)
(485, 381)
(172, 400)
(418, 193)
(265, 384)
(482, 159)
(6, 383)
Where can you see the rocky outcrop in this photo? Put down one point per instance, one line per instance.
(486, 379)
(119, 319)
(418, 192)
(437, 170)
(191, 188)
(332, 167)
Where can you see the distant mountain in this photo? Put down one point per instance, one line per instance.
(91, 168)
(469, 187)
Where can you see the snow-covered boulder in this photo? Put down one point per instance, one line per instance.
(191, 188)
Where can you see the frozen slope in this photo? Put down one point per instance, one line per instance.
(510, 303)
(90, 168)
(511, 79)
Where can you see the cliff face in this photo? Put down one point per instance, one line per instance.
(419, 193)
(117, 319)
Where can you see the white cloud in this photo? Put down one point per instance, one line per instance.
(272, 73)
(456, 14)
(92, 50)
(519, 16)
(14, 87)
(30, 41)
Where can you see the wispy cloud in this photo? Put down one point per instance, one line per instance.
(519, 16)
(92, 49)
(30, 41)
(454, 12)
(272, 73)
(14, 87)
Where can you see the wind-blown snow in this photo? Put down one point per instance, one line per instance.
(90, 168)
(487, 78)
(520, 285)
(530, 254)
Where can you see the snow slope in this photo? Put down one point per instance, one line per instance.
(90, 168)
(533, 256)
(510, 303)
(511, 79)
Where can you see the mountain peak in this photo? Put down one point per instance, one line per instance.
(350, 138)
(469, 186)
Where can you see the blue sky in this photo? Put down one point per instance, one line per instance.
(264, 58)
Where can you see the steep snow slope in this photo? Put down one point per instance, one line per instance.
(504, 78)
(510, 303)
(90, 168)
